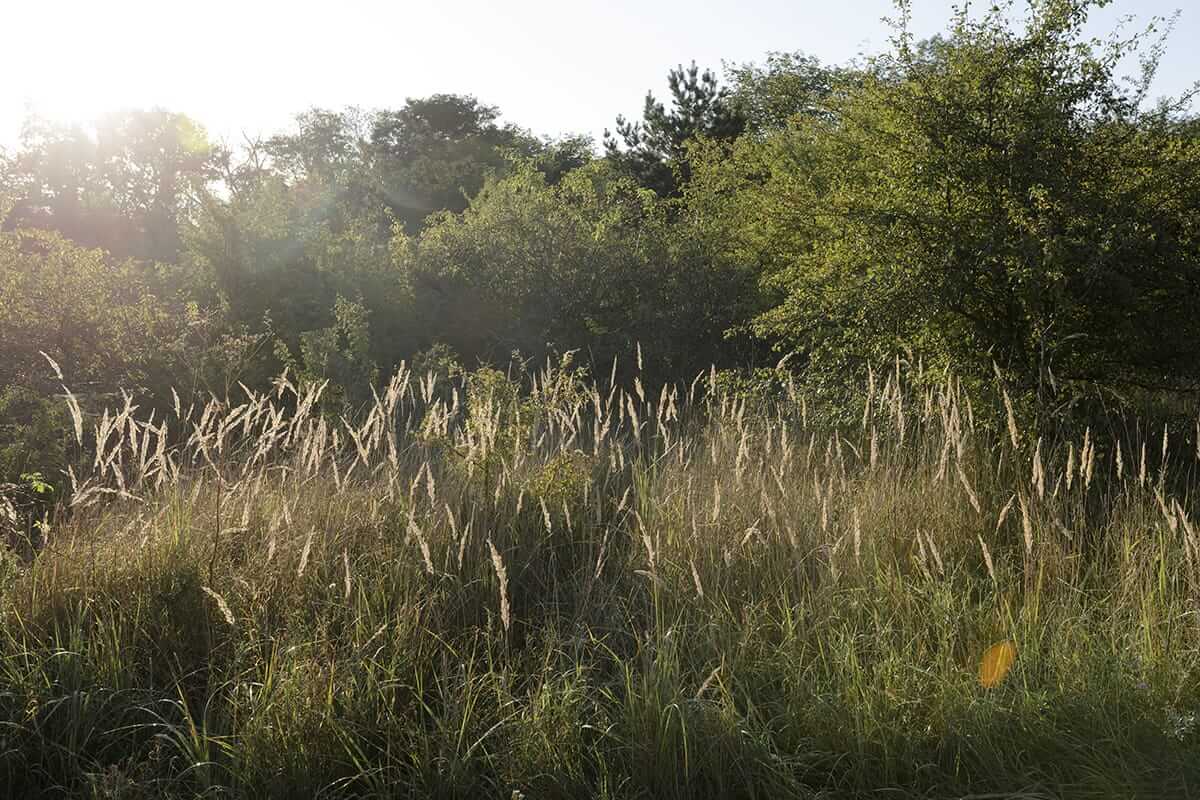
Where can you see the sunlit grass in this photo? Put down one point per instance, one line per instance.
(573, 590)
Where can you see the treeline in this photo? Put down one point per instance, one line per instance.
(998, 200)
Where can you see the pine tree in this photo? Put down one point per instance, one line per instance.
(655, 150)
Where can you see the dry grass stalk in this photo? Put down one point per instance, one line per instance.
(502, 578)
(1026, 525)
(987, 558)
(305, 552)
(222, 606)
(971, 496)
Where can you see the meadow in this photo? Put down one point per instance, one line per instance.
(552, 585)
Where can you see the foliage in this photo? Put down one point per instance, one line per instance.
(281, 255)
(593, 263)
(34, 434)
(100, 319)
(126, 184)
(435, 154)
(663, 564)
(785, 85)
(995, 195)
(994, 199)
(310, 215)
(340, 353)
(654, 150)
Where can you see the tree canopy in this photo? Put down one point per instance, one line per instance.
(654, 150)
(993, 195)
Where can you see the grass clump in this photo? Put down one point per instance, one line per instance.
(570, 589)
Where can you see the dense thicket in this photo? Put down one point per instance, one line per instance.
(996, 199)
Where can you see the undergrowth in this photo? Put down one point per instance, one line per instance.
(572, 589)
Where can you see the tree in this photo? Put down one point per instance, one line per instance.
(327, 147)
(298, 244)
(435, 153)
(106, 322)
(595, 262)
(654, 151)
(767, 96)
(279, 255)
(123, 184)
(992, 195)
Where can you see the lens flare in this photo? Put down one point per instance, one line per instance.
(996, 663)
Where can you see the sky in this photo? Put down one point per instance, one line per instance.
(245, 67)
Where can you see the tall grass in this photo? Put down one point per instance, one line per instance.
(574, 589)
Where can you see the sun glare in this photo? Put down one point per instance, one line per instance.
(131, 54)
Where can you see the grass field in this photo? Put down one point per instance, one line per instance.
(580, 591)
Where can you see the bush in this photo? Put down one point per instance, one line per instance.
(593, 263)
(999, 194)
(35, 435)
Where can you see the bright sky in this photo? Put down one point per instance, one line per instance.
(554, 66)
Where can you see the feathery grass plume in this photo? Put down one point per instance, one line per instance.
(1191, 542)
(1004, 512)
(1090, 446)
(305, 552)
(987, 558)
(1070, 469)
(944, 459)
(708, 682)
(750, 542)
(933, 550)
(1039, 474)
(857, 531)
(462, 543)
(58, 373)
(222, 606)
(417, 535)
(741, 461)
(696, 579)
(1168, 513)
(1013, 431)
(72, 403)
(962, 476)
(502, 578)
(922, 555)
(1026, 524)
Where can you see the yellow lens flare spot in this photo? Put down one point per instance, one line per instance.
(996, 663)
